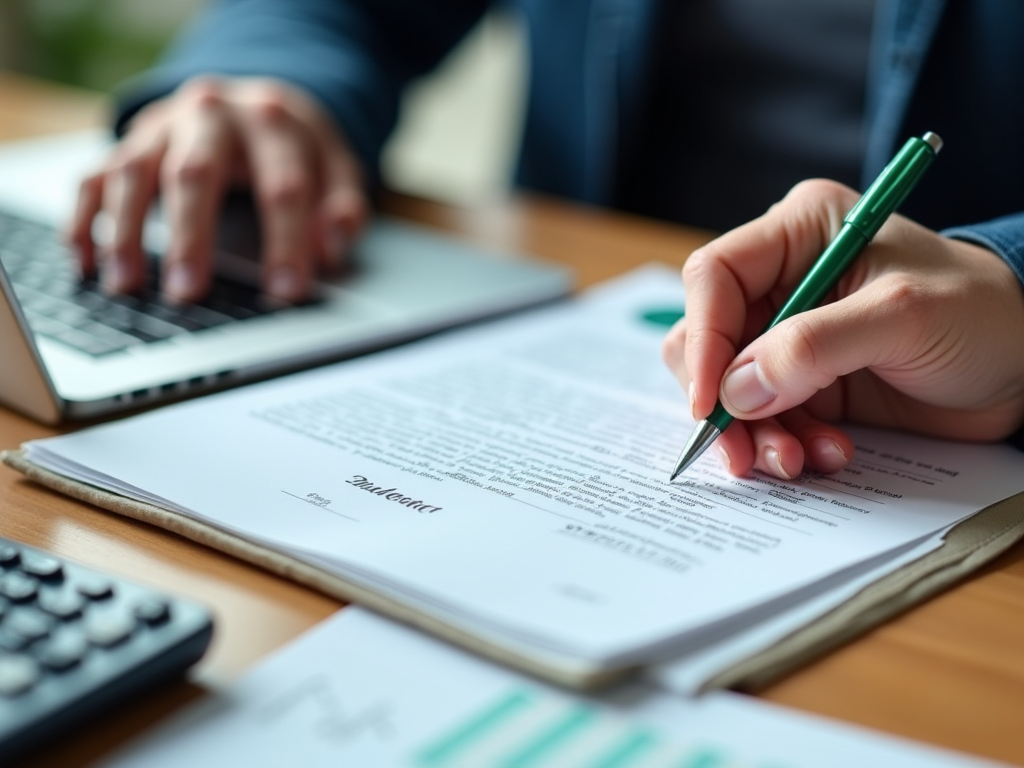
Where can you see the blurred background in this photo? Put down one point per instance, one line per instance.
(459, 130)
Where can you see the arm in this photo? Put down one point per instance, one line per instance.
(353, 57)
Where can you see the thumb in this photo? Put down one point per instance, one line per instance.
(806, 354)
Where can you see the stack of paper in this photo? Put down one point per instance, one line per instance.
(506, 486)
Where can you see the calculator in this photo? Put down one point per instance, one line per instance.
(75, 641)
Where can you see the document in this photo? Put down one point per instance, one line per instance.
(511, 480)
(689, 673)
(359, 690)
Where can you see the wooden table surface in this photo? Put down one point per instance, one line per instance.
(951, 672)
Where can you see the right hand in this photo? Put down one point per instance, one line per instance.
(190, 147)
(922, 334)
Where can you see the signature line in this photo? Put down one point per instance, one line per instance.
(318, 506)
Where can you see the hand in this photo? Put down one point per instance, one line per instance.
(191, 147)
(924, 334)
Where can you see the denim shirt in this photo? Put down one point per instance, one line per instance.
(955, 67)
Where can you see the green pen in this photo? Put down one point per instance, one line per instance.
(860, 225)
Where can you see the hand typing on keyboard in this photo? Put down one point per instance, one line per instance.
(191, 147)
(74, 312)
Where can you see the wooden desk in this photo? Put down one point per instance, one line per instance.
(950, 673)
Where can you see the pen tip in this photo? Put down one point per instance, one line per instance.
(704, 434)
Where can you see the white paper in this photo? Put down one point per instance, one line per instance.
(689, 673)
(359, 690)
(512, 478)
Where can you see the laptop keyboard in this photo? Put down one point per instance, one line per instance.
(60, 305)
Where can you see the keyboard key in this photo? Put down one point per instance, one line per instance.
(156, 327)
(108, 629)
(95, 588)
(41, 566)
(9, 555)
(152, 611)
(207, 318)
(29, 623)
(12, 642)
(17, 587)
(63, 651)
(106, 333)
(64, 604)
(88, 299)
(69, 313)
(44, 326)
(17, 675)
(86, 343)
(173, 315)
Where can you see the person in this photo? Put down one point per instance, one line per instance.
(703, 112)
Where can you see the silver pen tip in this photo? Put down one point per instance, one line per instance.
(704, 434)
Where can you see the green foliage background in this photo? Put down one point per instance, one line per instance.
(90, 43)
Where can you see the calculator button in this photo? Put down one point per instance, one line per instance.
(17, 674)
(40, 566)
(107, 630)
(152, 611)
(18, 587)
(62, 651)
(95, 588)
(63, 605)
(9, 641)
(72, 638)
(30, 624)
(8, 555)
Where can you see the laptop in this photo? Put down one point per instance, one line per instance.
(68, 351)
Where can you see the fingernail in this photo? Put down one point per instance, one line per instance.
(283, 283)
(693, 401)
(723, 455)
(745, 389)
(828, 455)
(180, 282)
(773, 460)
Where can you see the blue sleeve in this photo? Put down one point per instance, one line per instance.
(1005, 236)
(353, 56)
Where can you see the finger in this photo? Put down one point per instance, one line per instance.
(286, 182)
(128, 191)
(776, 450)
(195, 173)
(826, 448)
(735, 449)
(79, 234)
(673, 353)
(886, 323)
(343, 207)
(739, 276)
